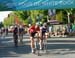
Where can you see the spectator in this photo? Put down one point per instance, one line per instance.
(15, 35)
(73, 27)
(50, 31)
(63, 31)
(21, 31)
(69, 28)
(3, 32)
(6, 30)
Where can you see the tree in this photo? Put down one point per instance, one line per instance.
(1, 25)
(31, 16)
(9, 20)
(66, 14)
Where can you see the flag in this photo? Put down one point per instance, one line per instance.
(51, 12)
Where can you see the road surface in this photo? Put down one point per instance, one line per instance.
(56, 48)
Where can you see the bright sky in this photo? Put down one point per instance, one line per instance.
(4, 14)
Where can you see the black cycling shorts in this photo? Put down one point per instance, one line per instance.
(33, 34)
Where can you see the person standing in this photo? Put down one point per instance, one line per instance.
(6, 31)
(15, 36)
(3, 33)
(50, 31)
(21, 31)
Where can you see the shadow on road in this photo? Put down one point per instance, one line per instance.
(60, 49)
(14, 51)
(52, 48)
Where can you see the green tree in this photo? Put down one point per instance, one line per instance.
(32, 15)
(1, 24)
(9, 20)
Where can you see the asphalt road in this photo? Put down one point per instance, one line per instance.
(56, 48)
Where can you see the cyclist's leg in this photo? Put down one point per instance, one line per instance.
(46, 35)
(36, 39)
(41, 41)
(32, 41)
(45, 41)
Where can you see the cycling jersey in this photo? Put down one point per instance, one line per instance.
(44, 29)
(33, 29)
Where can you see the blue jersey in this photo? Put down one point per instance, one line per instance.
(44, 29)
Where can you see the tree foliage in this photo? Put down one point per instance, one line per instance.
(9, 20)
(33, 16)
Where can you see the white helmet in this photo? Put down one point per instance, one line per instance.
(37, 23)
(45, 24)
(29, 24)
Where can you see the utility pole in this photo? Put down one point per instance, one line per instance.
(68, 17)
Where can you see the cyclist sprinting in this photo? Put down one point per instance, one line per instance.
(34, 29)
(44, 34)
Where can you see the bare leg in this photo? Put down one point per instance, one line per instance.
(32, 44)
(41, 42)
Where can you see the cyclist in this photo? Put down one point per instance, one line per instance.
(44, 30)
(33, 30)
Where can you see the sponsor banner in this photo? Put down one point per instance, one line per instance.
(35, 4)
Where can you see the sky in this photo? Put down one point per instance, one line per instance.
(4, 14)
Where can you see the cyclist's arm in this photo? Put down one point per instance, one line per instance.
(40, 32)
(29, 30)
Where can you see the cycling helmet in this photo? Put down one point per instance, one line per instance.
(45, 24)
(37, 23)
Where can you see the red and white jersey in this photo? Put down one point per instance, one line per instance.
(34, 29)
